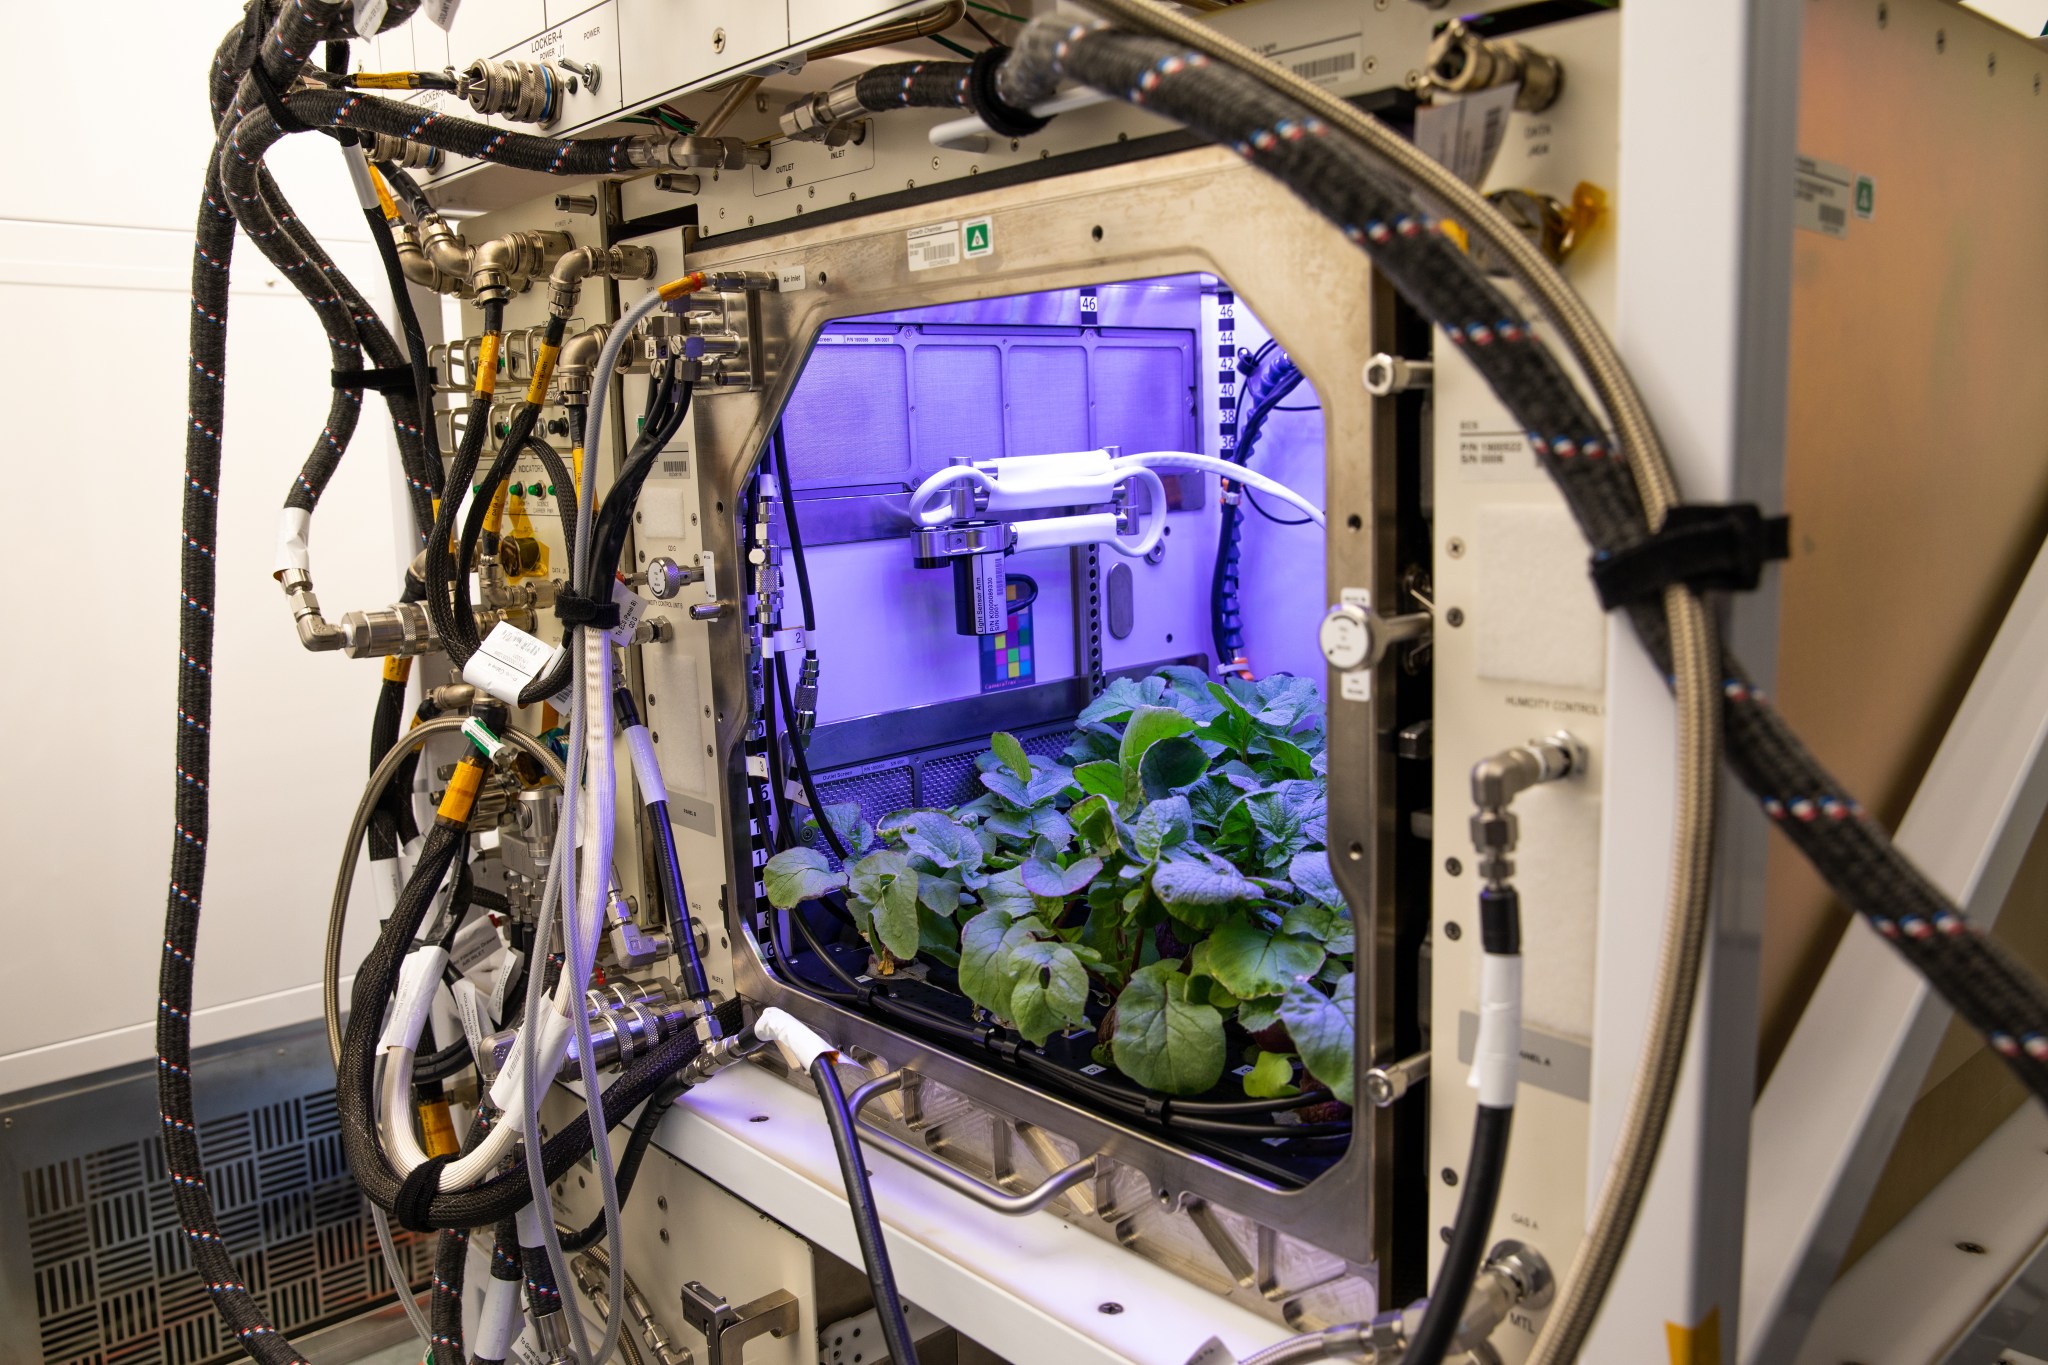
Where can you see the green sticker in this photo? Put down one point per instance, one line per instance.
(981, 237)
(1866, 197)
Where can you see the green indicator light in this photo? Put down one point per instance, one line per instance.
(535, 489)
(551, 490)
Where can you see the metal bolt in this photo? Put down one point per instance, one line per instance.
(1453, 930)
(1970, 1248)
(1454, 867)
(1372, 63)
(1455, 548)
(758, 1118)
(1450, 1176)
(661, 1202)
(1110, 1308)
(718, 40)
(664, 1234)
(1991, 64)
(1941, 40)
(576, 203)
(1884, 15)
(1454, 617)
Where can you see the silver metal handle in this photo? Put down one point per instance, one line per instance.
(988, 1196)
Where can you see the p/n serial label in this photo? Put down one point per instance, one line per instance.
(933, 246)
(1489, 452)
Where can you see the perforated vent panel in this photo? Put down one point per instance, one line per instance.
(944, 776)
(849, 422)
(109, 1277)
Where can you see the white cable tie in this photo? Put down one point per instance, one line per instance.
(798, 1039)
(417, 978)
(1497, 1053)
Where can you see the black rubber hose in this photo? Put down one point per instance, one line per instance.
(385, 834)
(867, 1224)
(1473, 1224)
(637, 1143)
(796, 536)
(415, 344)
(905, 85)
(696, 981)
(803, 770)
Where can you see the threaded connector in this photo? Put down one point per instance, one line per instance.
(524, 91)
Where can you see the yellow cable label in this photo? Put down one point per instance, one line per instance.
(437, 1129)
(385, 80)
(688, 284)
(384, 199)
(461, 794)
(1699, 1345)
(576, 465)
(397, 669)
(487, 365)
(494, 515)
(543, 371)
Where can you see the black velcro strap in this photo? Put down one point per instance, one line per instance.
(1706, 547)
(577, 610)
(273, 100)
(1003, 118)
(390, 379)
(416, 1194)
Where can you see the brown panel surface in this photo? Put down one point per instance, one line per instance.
(1917, 458)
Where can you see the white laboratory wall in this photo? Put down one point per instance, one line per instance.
(96, 217)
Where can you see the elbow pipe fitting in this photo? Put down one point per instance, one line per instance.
(506, 265)
(1462, 60)
(418, 269)
(1498, 780)
(573, 267)
(573, 368)
(316, 633)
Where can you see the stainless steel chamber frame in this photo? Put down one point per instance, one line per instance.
(1200, 210)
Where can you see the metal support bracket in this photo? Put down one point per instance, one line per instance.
(729, 1329)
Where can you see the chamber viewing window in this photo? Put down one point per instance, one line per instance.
(1138, 885)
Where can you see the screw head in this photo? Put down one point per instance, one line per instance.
(1455, 617)
(1450, 1176)
(1454, 867)
(1455, 548)
(1453, 930)
(664, 1234)
(1112, 1309)
(718, 40)
(1971, 1248)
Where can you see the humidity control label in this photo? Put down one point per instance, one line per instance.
(934, 246)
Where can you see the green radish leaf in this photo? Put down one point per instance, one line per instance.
(1163, 1040)
(934, 836)
(1161, 825)
(1101, 779)
(1050, 881)
(1094, 819)
(1310, 873)
(937, 936)
(1005, 892)
(1051, 993)
(984, 951)
(854, 832)
(1328, 925)
(796, 875)
(1262, 1013)
(1271, 1077)
(1252, 960)
(896, 916)
(870, 876)
(1149, 725)
(1197, 889)
(1170, 763)
(1289, 759)
(1005, 747)
(1321, 1026)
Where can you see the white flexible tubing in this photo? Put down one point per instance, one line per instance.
(920, 506)
(941, 482)
(563, 870)
(387, 1249)
(1251, 478)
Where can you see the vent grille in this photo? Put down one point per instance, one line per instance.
(113, 1279)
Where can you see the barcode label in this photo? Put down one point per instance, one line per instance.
(1832, 217)
(936, 245)
(1821, 196)
(1322, 68)
(674, 467)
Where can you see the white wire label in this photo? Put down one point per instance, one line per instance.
(632, 607)
(442, 12)
(507, 661)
